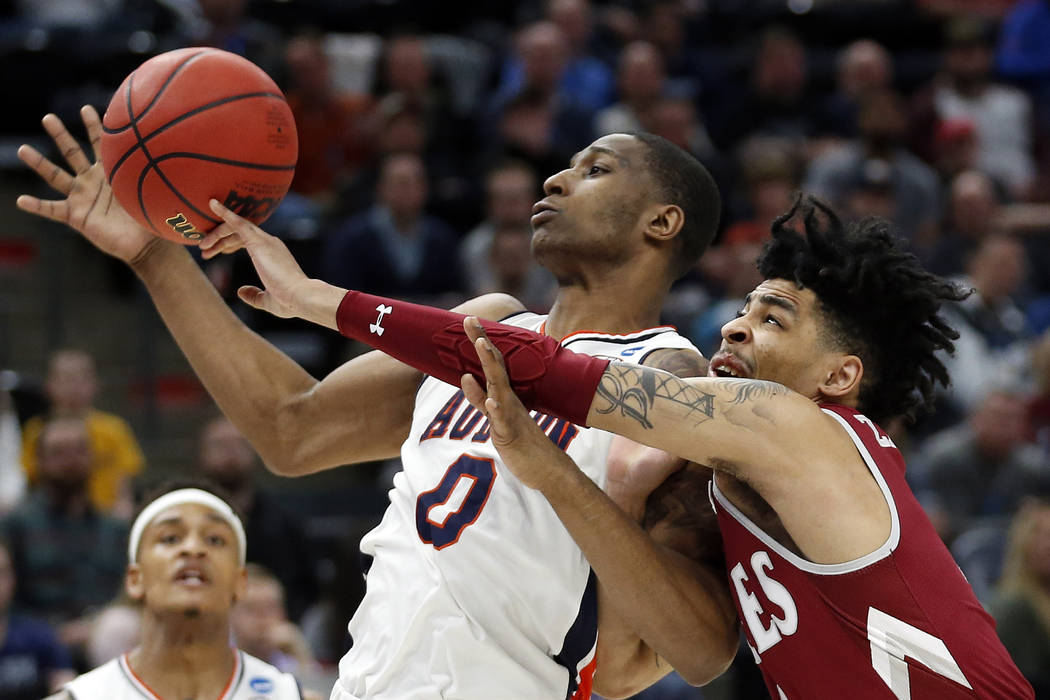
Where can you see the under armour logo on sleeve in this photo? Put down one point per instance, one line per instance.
(376, 327)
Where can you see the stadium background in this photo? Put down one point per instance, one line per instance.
(771, 95)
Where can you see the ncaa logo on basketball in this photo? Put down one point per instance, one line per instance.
(184, 228)
(261, 685)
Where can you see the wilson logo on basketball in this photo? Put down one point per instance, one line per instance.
(251, 207)
(183, 227)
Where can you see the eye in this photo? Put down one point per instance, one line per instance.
(170, 538)
(773, 320)
(596, 169)
(217, 540)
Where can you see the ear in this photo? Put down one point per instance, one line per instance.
(842, 379)
(664, 221)
(240, 584)
(133, 582)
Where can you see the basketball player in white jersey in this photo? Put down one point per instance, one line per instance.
(186, 568)
(475, 589)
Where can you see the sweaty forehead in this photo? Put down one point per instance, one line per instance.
(787, 290)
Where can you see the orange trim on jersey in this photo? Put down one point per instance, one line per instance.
(126, 662)
(620, 335)
(583, 690)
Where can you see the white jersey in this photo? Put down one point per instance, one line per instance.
(251, 679)
(476, 591)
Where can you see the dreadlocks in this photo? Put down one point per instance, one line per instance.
(878, 301)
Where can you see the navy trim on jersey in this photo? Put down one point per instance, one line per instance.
(582, 635)
(619, 340)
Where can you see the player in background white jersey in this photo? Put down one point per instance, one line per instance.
(630, 215)
(186, 568)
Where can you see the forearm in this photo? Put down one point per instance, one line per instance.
(251, 381)
(679, 609)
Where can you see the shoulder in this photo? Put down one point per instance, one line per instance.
(681, 362)
(101, 682)
(491, 307)
(100, 421)
(265, 679)
(61, 695)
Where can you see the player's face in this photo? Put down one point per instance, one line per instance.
(777, 336)
(188, 562)
(592, 207)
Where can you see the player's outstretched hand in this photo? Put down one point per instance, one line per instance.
(280, 274)
(524, 448)
(88, 205)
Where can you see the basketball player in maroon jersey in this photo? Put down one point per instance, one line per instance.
(843, 586)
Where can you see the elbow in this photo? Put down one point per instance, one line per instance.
(704, 667)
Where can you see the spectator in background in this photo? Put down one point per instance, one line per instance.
(769, 175)
(981, 468)
(640, 83)
(1022, 607)
(32, 662)
(864, 67)
(12, 476)
(68, 556)
(536, 118)
(261, 626)
(1039, 403)
(72, 387)
(870, 192)
(1001, 115)
(512, 269)
(276, 539)
(1024, 53)
(395, 248)
(954, 149)
(882, 125)
(676, 119)
(992, 348)
(115, 629)
(331, 124)
(776, 102)
(226, 25)
(586, 78)
(511, 189)
(972, 207)
(569, 72)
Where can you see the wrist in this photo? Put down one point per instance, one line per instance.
(153, 256)
(317, 301)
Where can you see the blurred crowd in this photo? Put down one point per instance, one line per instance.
(426, 130)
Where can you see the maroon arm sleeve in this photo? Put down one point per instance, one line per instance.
(546, 376)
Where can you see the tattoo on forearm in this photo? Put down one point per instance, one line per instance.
(749, 389)
(631, 391)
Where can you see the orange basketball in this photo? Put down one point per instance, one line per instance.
(194, 124)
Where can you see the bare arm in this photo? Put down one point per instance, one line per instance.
(668, 498)
(60, 695)
(681, 610)
(360, 412)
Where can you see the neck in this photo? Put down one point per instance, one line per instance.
(72, 503)
(183, 658)
(611, 305)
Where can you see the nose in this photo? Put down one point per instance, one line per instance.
(193, 544)
(558, 183)
(737, 330)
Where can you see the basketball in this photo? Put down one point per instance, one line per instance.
(194, 124)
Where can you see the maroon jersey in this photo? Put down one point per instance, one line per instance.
(901, 622)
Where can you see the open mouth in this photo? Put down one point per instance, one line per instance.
(192, 576)
(728, 366)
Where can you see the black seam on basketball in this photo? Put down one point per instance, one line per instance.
(222, 161)
(132, 116)
(183, 116)
(151, 164)
(160, 173)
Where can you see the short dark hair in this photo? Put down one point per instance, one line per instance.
(684, 181)
(878, 301)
